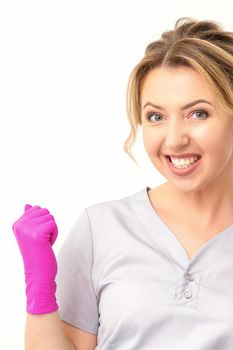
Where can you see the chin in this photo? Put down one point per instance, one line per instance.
(185, 187)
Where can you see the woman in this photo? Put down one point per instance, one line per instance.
(152, 270)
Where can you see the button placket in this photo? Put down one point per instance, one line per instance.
(188, 293)
(187, 290)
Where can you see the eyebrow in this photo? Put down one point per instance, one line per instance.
(182, 108)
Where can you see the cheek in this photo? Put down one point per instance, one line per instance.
(151, 141)
(220, 140)
(217, 145)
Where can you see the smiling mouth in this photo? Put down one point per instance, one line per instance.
(183, 163)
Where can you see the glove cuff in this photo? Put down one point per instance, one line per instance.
(41, 297)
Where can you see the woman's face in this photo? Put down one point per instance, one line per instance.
(172, 128)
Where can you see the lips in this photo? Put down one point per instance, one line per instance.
(180, 156)
(182, 171)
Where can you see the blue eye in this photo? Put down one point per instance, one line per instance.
(158, 117)
(149, 115)
(201, 112)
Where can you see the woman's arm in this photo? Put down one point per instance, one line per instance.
(44, 332)
(36, 231)
(48, 332)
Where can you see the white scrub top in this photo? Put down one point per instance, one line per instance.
(124, 276)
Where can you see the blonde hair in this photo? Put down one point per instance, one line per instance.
(202, 45)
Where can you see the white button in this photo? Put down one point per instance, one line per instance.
(187, 294)
(190, 277)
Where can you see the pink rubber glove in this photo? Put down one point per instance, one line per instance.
(36, 231)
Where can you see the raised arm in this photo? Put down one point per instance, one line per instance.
(36, 232)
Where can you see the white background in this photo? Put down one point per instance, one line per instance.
(64, 67)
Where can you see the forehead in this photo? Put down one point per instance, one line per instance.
(174, 84)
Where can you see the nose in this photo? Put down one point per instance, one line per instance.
(176, 135)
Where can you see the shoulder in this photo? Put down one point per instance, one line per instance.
(111, 223)
(108, 218)
(119, 205)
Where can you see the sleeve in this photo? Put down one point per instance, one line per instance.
(78, 304)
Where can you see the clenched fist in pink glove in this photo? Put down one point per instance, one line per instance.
(36, 231)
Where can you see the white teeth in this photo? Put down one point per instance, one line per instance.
(184, 162)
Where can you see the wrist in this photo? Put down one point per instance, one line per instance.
(41, 296)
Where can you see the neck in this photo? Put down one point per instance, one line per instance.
(211, 205)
